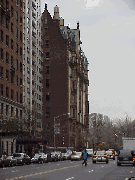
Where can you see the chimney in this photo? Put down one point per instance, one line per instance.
(45, 6)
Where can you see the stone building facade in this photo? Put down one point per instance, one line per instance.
(11, 71)
(65, 83)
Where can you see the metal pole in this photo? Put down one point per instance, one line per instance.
(54, 133)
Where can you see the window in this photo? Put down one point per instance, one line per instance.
(46, 29)
(16, 112)
(12, 78)
(20, 114)
(17, 96)
(7, 108)
(12, 62)
(20, 81)
(47, 55)
(12, 111)
(1, 53)
(17, 3)
(16, 32)
(7, 40)
(48, 111)
(1, 35)
(47, 97)
(7, 23)
(20, 4)
(20, 98)
(16, 64)
(20, 67)
(12, 30)
(7, 92)
(21, 51)
(20, 35)
(2, 19)
(47, 44)
(16, 48)
(16, 16)
(2, 108)
(12, 94)
(7, 75)
(12, 44)
(45, 20)
(1, 72)
(47, 69)
(1, 89)
(16, 80)
(47, 82)
(12, 11)
(7, 57)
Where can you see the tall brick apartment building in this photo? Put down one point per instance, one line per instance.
(11, 75)
(65, 83)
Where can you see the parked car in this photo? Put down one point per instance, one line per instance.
(13, 160)
(66, 156)
(125, 157)
(76, 156)
(54, 156)
(22, 158)
(100, 156)
(38, 158)
(60, 157)
(110, 155)
(4, 161)
(89, 152)
(44, 156)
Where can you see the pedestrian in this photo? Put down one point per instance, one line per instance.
(84, 155)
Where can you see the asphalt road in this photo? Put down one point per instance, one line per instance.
(67, 170)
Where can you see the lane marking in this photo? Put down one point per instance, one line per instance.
(44, 172)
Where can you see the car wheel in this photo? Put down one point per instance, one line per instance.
(9, 164)
(2, 165)
(118, 164)
(134, 164)
(71, 159)
(106, 162)
(12, 164)
(94, 161)
(113, 158)
(27, 163)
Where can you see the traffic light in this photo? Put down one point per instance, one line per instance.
(63, 140)
(103, 143)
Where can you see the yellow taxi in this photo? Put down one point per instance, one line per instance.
(76, 156)
(100, 156)
(110, 155)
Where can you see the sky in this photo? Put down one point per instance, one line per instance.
(107, 29)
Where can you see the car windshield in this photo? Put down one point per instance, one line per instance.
(17, 155)
(125, 153)
(108, 152)
(36, 155)
(76, 153)
(100, 153)
(9, 157)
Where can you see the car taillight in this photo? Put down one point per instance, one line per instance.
(112, 154)
(94, 156)
(104, 156)
(134, 158)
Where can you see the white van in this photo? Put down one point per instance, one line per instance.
(90, 152)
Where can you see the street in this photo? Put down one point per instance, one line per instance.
(66, 170)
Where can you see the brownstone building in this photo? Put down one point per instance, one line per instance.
(65, 83)
(11, 74)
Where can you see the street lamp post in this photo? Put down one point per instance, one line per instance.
(54, 127)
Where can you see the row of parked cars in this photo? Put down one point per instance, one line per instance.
(23, 158)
